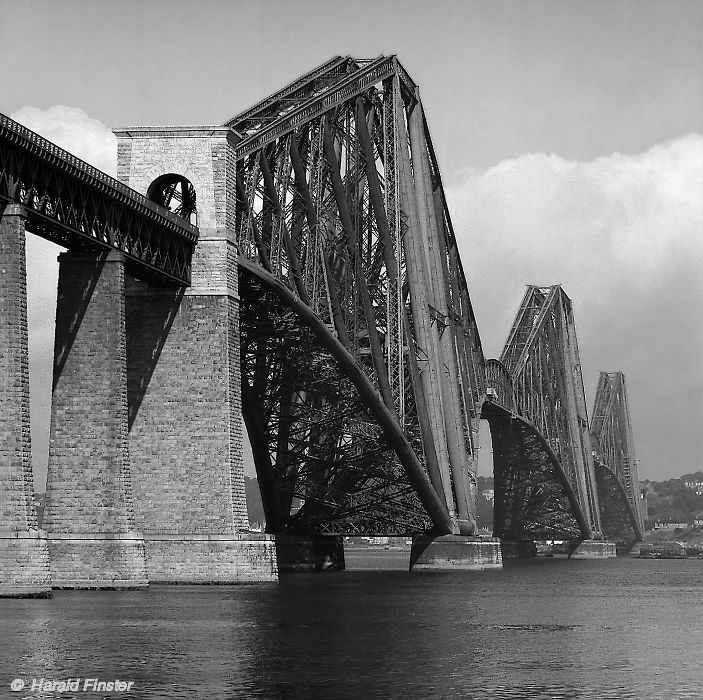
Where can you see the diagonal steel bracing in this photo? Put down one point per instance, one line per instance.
(348, 255)
(616, 466)
(538, 380)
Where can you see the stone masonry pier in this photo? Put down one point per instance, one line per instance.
(90, 516)
(24, 555)
(184, 393)
(145, 480)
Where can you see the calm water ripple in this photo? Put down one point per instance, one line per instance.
(546, 628)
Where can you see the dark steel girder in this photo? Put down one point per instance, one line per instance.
(620, 521)
(502, 422)
(393, 434)
(613, 445)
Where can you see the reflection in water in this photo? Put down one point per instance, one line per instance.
(537, 629)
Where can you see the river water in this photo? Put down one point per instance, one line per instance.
(544, 628)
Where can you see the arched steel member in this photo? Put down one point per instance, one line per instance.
(175, 193)
(497, 417)
(608, 486)
(614, 450)
(416, 475)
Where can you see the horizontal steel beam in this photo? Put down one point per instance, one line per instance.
(345, 89)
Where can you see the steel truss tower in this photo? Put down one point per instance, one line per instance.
(545, 481)
(362, 367)
(615, 463)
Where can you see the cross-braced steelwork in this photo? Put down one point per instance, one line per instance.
(362, 366)
(615, 463)
(77, 206)
(545, 483)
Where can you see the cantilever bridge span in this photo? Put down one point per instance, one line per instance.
(615, 462)
(321, 297)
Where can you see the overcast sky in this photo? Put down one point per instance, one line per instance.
(569, 134)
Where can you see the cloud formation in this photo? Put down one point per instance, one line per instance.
(72, 129)
(622, 234)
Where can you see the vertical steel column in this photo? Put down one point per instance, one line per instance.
(353, 249)
(573, 419)
(456, 374)
(579, 417)
(418, 277)
(632, 480)
(437, 267)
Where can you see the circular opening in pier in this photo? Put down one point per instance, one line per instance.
(176, 193)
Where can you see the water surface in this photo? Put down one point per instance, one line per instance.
(545, 628)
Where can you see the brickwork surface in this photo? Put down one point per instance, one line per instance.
(453, 553)
(101, 561)
(594, 549)
(215, 560)
(184, 378)
(185, 436)
(89, 490)
(24, 565)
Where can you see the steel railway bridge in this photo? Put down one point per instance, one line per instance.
(360, 366)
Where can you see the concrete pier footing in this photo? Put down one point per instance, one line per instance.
(307, 554)
(454, 553)
(593, 549)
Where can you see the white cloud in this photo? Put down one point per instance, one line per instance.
(594, 227)
(623, 235)
(72, 129)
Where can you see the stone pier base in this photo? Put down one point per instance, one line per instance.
(24, 565)
(454, 553)
(97, 560)
(247, 557)
(302, 554)
(593, 549)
